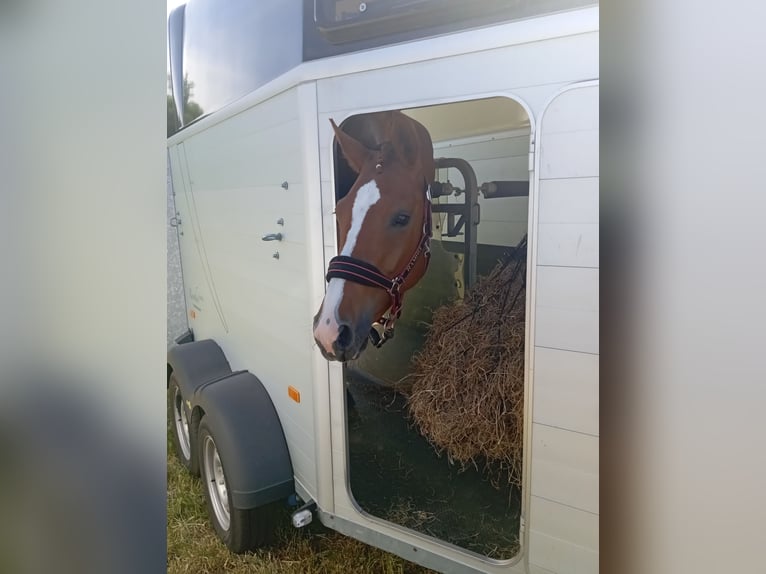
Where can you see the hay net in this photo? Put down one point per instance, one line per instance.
(467, 393)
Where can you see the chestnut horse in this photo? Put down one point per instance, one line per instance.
(384, 229)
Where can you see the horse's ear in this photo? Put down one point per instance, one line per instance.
(355, 152)
(400, 133)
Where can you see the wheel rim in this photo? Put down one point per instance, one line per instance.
(216, 482)
(182, 424)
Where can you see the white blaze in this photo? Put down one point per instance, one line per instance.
(327, 328)
(367, 196)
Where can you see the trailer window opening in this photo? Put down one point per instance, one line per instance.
(221, 51)
(408, 464)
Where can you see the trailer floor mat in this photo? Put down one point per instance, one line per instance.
(395, 474)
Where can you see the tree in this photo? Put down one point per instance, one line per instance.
(191, 109)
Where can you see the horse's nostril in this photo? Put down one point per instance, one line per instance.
(345, 337)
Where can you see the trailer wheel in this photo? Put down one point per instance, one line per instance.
(241, 530)
(182, 428)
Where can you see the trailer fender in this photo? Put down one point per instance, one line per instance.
(195, 364)
(249, 438)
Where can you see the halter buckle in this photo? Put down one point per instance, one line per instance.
(379, 334)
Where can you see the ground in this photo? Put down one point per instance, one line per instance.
(193, 547)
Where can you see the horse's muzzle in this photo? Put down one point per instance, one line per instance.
(342, 344)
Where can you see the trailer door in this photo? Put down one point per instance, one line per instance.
(205, 308)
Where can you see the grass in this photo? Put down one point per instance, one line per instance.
(193, 547)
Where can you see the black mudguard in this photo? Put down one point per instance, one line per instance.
(197, 363)
(249, 438)
(244, 423)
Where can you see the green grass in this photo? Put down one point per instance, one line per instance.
(193, 547)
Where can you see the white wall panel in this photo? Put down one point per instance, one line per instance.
(573, 110)
(236, 170)
(563, 539)
(500, 146)
(566, 311)
(559, 521)
(568, 244)
(564, 455)
(568, 329)
(524, 65)
(258, 147)
(565, 467)
(569, 200)
(561, 556)
(258, 209)
(569, 154)
(566, 390)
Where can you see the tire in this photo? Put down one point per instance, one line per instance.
(182, 428)
(241, 530)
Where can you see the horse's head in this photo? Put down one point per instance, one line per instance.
(383, 229)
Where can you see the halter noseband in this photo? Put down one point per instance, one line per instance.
(359, 271)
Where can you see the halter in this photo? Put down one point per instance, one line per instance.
(359, 271)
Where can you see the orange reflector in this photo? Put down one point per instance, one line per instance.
(294, 394)
(193, 314)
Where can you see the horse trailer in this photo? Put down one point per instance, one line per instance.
(279, 109)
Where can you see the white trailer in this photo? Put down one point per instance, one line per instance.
(258, 410)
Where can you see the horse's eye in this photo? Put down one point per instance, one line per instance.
(401, 220)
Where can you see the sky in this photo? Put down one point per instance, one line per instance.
(173, 3)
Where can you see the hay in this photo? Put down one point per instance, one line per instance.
(467, 389)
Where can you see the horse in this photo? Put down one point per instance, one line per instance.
(384, 230)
